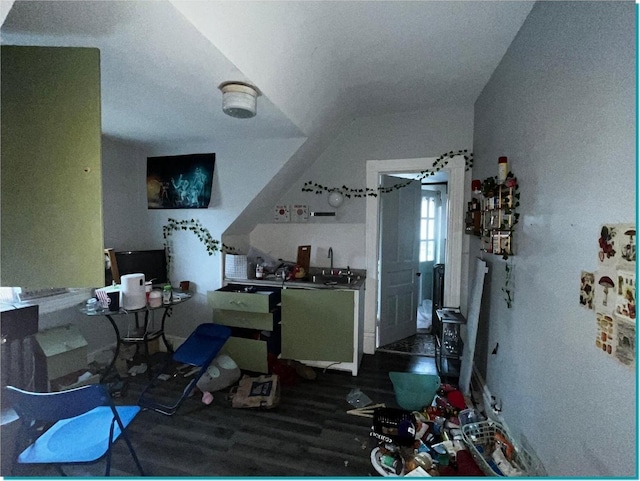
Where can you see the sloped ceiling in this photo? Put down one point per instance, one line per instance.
(317, 63)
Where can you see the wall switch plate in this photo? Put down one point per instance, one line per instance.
(299, 213)
(281, 213)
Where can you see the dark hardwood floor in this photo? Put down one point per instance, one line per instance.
(308, 434)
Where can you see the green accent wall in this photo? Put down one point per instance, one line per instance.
(51, 198)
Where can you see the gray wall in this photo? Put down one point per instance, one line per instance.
(561, 106)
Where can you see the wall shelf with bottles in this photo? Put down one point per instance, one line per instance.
(497, 221)
(492, 213)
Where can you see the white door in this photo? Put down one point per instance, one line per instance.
(399, 259)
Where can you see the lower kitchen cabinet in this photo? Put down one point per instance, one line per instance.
(254, 318)
(323, 327)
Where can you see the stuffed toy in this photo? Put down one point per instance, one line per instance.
(221, 373)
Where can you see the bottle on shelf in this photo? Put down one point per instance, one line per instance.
(503, 169)
(259, 268)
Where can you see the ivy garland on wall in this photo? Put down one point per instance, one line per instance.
(202, 233)
(349, 192)
(507, 289)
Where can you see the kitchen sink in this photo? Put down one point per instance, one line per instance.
(329, 279)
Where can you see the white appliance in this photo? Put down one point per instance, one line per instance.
(133, 291)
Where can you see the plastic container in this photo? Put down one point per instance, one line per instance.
(166, 294)
(382, 468)
(414, 391)
(155, 298)
(467, 416)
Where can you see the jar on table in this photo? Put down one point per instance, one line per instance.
(166, 294)
(155, 298)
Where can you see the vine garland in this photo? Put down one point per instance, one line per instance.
(202, 233)
(508, 284)
(349, 192)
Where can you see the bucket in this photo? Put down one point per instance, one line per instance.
(414, 391)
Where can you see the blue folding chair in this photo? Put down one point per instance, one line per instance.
(199, 350)
(86, 424)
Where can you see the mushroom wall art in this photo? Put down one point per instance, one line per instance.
(615, 292)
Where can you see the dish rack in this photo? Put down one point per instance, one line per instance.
(236, 266)
(481, 439)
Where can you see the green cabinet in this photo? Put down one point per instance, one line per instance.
(51, 184)
(318, 324)
(250, 313)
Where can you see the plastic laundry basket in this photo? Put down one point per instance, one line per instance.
(414, 391)
(480, 438)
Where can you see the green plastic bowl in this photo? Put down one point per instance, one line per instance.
(414, 391)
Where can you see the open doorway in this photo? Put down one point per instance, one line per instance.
(455, 170)
(433, 232)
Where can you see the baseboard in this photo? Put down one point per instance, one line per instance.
(105, 353)
(490, 404)
(174, 341)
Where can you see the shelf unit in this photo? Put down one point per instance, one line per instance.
(497, 219)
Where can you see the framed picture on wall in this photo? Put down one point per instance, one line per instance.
(180, 181)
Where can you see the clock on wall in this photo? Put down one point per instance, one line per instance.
(281, 213)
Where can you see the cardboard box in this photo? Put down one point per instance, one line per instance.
(64, 350)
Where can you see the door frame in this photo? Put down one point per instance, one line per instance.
(455, 231)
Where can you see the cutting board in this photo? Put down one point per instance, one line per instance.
(304, 256)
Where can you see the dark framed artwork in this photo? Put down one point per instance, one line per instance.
(180, 181)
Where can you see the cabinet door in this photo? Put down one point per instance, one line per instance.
(317, 325)
(51, 194)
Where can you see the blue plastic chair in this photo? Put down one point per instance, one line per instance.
(199, 350)
(86, 424)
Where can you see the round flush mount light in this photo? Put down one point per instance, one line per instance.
(336, 199)
(239, 99)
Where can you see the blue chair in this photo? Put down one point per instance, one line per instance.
(86, 424)
(198, 350)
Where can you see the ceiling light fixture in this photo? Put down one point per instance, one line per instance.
(239, 99)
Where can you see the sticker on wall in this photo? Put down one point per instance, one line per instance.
(605, 290)
(625, 346)
(626, 296)
(604, 332)
(299, 213)
(281, 213)
(614, 287)
(586, 289)
(616, 244)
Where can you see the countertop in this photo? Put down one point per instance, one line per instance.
(306, 283)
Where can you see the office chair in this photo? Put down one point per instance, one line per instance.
(199, 350)
(86, 424)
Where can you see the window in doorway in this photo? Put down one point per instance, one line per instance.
(428, 234)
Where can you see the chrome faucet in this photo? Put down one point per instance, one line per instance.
(330, 256)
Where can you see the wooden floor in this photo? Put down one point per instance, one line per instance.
(308, 434)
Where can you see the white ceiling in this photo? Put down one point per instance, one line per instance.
(316, 62)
